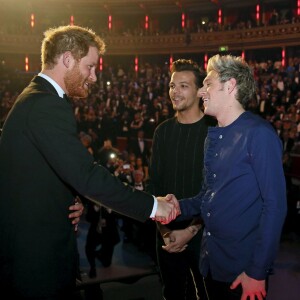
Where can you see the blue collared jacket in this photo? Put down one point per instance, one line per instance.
(242, 200)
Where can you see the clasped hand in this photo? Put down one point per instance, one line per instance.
(77, 211)
(167, 209)
(176, 240)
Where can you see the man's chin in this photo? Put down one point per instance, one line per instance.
(177, 108)
(79, 94)
(205, 110)
(83, 95)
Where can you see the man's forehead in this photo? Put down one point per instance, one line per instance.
(92, 55)
(183, 76)
(211, 75)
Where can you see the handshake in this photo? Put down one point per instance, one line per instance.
(167, 209)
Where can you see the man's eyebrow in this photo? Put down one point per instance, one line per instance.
(180, 82)
(185, 82)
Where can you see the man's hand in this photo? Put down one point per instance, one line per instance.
(251, 287)
(77, 209)
(176, 240)
(167, 209)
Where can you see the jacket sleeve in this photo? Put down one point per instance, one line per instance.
(52, 129)
(191, 207)
(265, 152)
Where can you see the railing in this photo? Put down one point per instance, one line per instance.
(237, 39)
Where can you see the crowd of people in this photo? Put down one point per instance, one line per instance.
(196, 23)
(129, 105)
(124, 102)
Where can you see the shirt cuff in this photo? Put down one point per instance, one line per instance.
(154, 209)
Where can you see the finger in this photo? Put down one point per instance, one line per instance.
(76, 207)
(75, 220)
(171, 215)
(166, 242)
(259, 296)
(244, 296)
(175, 250)
(72, 207)
(178, 249)
(170, 249)
(159, 218)
(235, 284)
(176, 203)
(169, 197)
(169, 218)
(166, 248)
(174, 212)
(75, 214)
(163, 221)
(182, 249)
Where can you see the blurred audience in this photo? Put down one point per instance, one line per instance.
(132, 106)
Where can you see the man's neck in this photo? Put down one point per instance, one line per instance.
(228, 118)
(189, 117)
(55, 74)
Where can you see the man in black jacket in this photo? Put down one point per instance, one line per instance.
(43, 165)
(176, 166)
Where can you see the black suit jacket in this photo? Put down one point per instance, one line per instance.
(42, 166)
(135, 148)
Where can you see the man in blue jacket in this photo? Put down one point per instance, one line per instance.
(243, 197)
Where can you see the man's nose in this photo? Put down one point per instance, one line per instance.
(176, 89)
(93, 76)
(202, 91)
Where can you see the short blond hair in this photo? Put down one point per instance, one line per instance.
(228, 67)
(75, 39)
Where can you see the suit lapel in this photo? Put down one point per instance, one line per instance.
(44, 85)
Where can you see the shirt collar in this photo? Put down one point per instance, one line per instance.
(58, 89)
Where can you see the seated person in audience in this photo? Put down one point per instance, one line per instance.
(139, 165)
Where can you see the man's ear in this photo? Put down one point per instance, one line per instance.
(68, 59)
(231, 84)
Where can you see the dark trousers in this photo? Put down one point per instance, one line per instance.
(218, 290)
(180, 274)
(93, 240)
